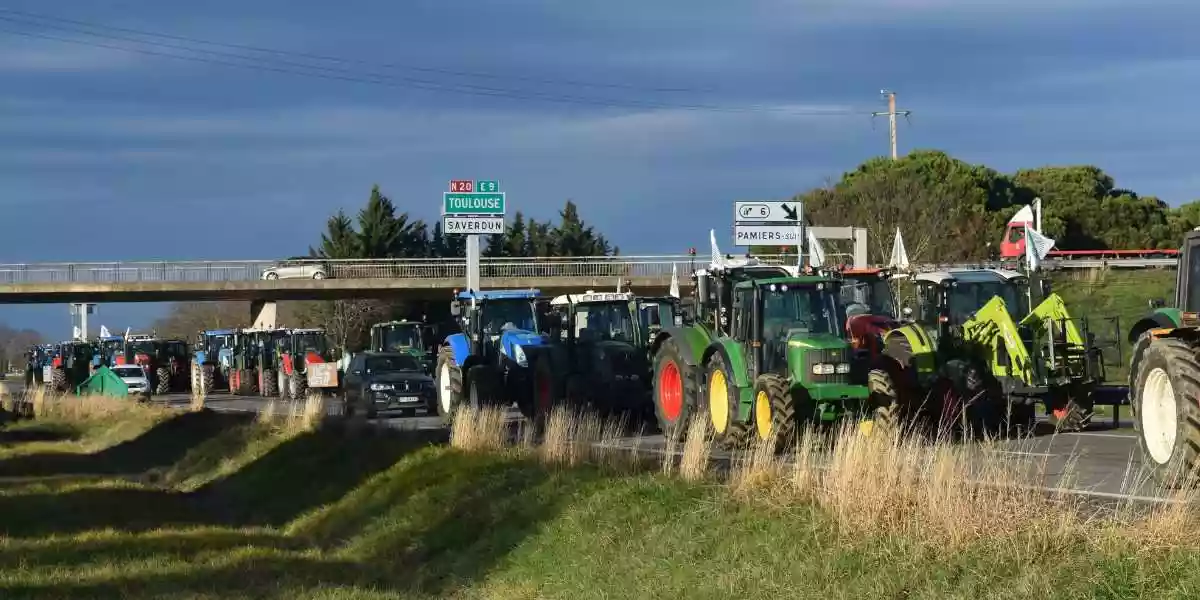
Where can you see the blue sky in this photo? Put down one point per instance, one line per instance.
(112, 155)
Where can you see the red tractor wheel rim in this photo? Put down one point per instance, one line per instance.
(670, 394)
(543, 393)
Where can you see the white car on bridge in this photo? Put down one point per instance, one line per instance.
(297, 267)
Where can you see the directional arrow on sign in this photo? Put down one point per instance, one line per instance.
(789, 211)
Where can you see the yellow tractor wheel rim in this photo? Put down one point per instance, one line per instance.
(718, 402)
(762, 414)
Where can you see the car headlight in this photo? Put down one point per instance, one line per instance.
(518, 355)
(381, 387)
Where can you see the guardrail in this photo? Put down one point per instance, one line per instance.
(414, 268)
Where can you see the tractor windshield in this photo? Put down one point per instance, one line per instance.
(216, 343)
(398, 337)
(604, 321)
(871, 296)
(800, 309)
(501, 315)
(967, 298)
(310, 342)
(142, 347)
(656, 315)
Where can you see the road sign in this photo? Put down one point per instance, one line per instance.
(472, 225)
(766, 235)
(767, 212)
(458, 204)
(462, 186)
(488, 186)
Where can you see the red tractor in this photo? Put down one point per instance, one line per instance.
(299, 349)
(167, 363)
(870, 307)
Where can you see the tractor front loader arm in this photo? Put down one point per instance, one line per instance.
(1053, 312)
(997, 339)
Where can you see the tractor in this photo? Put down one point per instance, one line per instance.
(1164, 382)
(110, 351)
(72, 365)
(598, 355)
(767, 350)
(976, 360)
(167, 363)
(406, 337)
(254, 368)
(488, 363)
(37, 359)
(299, 349)
(871, 309)
(212, 358)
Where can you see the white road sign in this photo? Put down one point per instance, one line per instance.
(473, 225)
(767, 211)
(766, 235)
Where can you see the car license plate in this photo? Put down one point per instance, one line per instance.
(406, 400)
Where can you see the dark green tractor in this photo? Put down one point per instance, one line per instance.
(413, 338)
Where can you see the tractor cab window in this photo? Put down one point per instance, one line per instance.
(873, 297)
(310, 342)
(656, 315)
(501, 315)
(800, 309)
(608, 321)
(967, 298)
(399, 337)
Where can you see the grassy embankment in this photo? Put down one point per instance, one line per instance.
(104, 499)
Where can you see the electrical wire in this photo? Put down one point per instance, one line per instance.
(374, 78)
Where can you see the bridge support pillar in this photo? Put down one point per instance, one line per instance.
(262, 314)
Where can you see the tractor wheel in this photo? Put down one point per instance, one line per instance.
(775, 411)
(674, 391)
(1072, 413)
(58, 380)
(207, 377)
(281, 384)
(893, 413)
(1167, 417)
(270, 383)
(449, 385)
(162, 381)
(482, 387)
(195, 379)
(724, 404)
(297, 386)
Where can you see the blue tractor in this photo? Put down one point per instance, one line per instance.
(213, 358)
(110, 351)
(488, 363)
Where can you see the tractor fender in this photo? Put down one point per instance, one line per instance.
(1165, 318)
(732, 353)
(691, 342)
(909, 346)
(201, 355)
(460, 348)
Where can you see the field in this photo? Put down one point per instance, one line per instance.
(121, 501)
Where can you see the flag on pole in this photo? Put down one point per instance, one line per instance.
(899, 258)
(1037, 246)
(716, 251)
(104, 332)
(816, 254)
(76, 333)
(674, 291)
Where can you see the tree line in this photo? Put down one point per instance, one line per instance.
(13, 345)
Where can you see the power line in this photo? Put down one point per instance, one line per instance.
(345, 60)
(350, 75)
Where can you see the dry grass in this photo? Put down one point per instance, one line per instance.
(44, 404)
(943, 494)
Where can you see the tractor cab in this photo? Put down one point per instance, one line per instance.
(657, 312)
(948, 299)
(792, 313)
(110, 351)
(500, 321)
(413, 338)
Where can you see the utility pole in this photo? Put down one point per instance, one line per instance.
(891, 115)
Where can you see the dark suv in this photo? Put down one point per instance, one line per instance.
(383, 381)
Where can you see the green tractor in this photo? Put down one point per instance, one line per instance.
(255, 362)
(768, 350)
(413, 338)
(72, 365)
(1164, 383)
(976, 360)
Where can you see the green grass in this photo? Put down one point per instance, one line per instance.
(204, 505)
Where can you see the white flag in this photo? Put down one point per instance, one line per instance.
(76, 333)
(674, 292)
(816, 254)
(1037, 246)
(899, 257)
(716, 251)
(104, 332)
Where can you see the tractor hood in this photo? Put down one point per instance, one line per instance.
(520, 337)
(816, 341)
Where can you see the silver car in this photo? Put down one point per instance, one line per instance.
(135, 378)
(297, 267)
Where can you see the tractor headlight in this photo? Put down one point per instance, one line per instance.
(823, 369)
(381, 387)
(518, 355)
(843, 368)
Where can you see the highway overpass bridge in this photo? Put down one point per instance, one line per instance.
(418, 279)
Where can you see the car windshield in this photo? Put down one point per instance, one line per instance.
(604, 321)
(868, 296)
(393, 362)
(967, 298)
(128, 372)
(501, 315)
(800, 308)
(396, 337)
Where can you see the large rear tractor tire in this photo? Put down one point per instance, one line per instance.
(892, 412)
(58, 380)
(1166, 414)
(207, 378)
(270, 383)
(297, 386)
(724, 405)
(162, 381)
(675, 391)
(775, 411)
(449, 381)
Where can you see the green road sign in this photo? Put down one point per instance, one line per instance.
(487, 186)
(475, 203)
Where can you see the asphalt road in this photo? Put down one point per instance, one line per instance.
(1102, 462)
